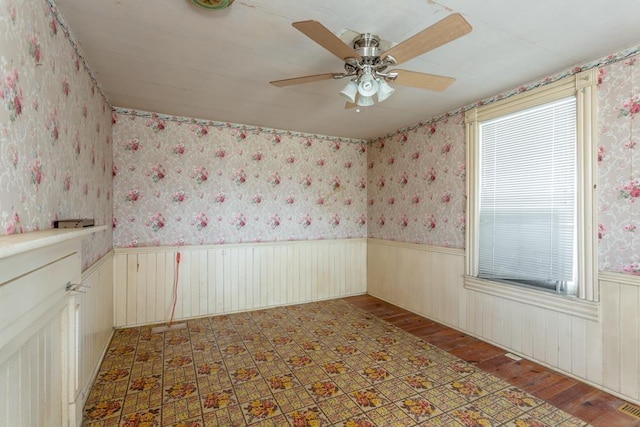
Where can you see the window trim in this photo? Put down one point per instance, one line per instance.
(583, 86)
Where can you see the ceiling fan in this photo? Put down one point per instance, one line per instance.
(366, 63)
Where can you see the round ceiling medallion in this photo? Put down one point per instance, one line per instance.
(213, 4)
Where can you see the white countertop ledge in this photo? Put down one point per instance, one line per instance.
(14, 244)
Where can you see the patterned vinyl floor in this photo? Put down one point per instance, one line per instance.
(317, 364)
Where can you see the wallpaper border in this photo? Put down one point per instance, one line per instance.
(235, 126)
(76, 46)
(601, 62)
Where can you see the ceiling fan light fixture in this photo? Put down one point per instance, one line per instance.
(350, 91)
(368, 85)
(364, 101)
(384, 90)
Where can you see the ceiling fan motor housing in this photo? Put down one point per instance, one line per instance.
(367, 46)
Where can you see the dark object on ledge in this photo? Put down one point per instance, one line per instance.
(74, 223)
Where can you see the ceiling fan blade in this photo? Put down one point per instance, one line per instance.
(349, 105)
(444, 31)
(422, 80)
(301, 80)
(325, 38)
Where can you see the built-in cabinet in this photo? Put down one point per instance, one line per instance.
(55, 323)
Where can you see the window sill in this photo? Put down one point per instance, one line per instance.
(588, 310)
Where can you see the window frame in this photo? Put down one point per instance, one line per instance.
(583, 86)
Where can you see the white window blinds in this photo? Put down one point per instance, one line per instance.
(527, 210)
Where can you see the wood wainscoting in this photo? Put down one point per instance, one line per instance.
(233, 277)
(55, 325)
(429, 281)
(93, 313)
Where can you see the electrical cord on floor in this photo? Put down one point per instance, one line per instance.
(175, 289)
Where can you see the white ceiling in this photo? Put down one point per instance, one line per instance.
(172, 57)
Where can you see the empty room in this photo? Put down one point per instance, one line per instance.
(292, 213)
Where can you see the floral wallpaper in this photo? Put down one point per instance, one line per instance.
(180, 181)
(416, 184)
(55, 128)
(619, 166)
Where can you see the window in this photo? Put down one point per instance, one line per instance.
(527, 186)
(530, 206)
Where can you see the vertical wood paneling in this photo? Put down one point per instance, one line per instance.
(329, 285)
(12, 416)
(539, 334)
(270, 277)
(487, 316)
(183, 305)
(131, 292)
(579, 347)
(314, 273)
(280, 275)
(96, 314)
(507, 325)
(190, 290)
(595, 347)
(161, 297)
(322, 273)
(479, 313)
(374, 286)
(497, 323)
(412, 278)
(34, 379)
(420, 287)
(611, 344)
(551, 337)
(360, 272)
(141, 289)
(528, 324)
(211, 280)
(28, 353)
(218, 285)
(565, 342)
(203, 295)
(294, 275)
(311, 273)
(452, 274)
(245, 255)
(151, 278)
(629, 346)
(516, 327)
(438, 272)
(120, 290)
(231, 278)
(255, 288)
